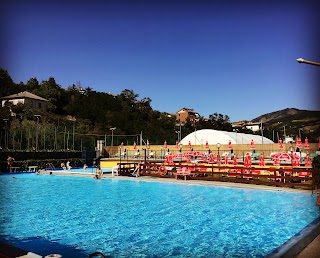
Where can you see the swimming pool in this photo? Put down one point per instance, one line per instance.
(76, 216)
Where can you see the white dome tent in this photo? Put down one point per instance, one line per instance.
(214, 136)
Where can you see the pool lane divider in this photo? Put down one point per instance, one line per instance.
(298, 242)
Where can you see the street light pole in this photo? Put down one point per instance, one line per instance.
(6, 134)
(301, 60)
(180, 128)
(218, 155)
(218, 146)
(37, 116)
(112, 129)
(261, 132)
(178, 133)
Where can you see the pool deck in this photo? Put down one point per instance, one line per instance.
(310, 248)
(180, 181)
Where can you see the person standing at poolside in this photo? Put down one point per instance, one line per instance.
(10, 162)
(68, 165)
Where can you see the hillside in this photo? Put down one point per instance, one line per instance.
(291, 122)
(278, 114)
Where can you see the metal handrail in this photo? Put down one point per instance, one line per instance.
(96, 254)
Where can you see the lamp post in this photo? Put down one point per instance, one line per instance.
(120, 161)
(178, 133)
(218, 146)
(180, 128)
(301, 60)
(6, 134)
(180, 146)
(112, 129)
(37, 133)
(218, 156)
(291, 151)
(236, 130)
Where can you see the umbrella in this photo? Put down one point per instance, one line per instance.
(285, 156)
(308, 161)
(295, 162)
(247, 161)
(169, 159)
(134, 145)
(274, 155)
(276, 162)
(207, 145)
(261, 160)
(211, 158)
(280, 144)
(298, 143)
(165, 145)
(252, 144)
(226, 159)
(281, 156)
(306, 143)
(189, 145)
(230, 145)
(218, 159)
(204, 158)
(235, 162)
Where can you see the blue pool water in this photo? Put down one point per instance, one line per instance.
(89, 170)
(76, 216)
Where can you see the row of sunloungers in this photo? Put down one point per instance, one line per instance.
(246, 173)
(187, 172)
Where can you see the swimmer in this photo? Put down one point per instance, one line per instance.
(63, 166)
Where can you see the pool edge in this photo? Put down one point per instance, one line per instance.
(298, 242)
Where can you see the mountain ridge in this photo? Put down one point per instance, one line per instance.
(278, 114)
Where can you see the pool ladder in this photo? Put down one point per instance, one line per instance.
(50, 165)
(96, 254)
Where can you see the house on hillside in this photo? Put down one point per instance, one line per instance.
(187, 113)
(25, 97)
(253, 126)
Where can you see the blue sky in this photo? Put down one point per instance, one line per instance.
(214, 56)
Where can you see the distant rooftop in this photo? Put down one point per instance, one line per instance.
(24, 94)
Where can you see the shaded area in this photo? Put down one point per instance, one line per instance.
(39, 246)
(10, 251)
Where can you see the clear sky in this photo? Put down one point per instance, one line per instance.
(213, 56)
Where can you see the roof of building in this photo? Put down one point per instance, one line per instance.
(187, 110)
(24, 94)
(214, 136)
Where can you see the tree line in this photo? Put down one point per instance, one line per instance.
(76, 117)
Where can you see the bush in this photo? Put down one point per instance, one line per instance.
(316, 162)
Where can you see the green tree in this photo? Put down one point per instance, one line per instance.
(220, 122)
(6, 83)
(51, 91)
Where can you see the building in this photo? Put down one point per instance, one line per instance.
(213, 137)
(187, 113)
(244, 124)
(25, 97)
